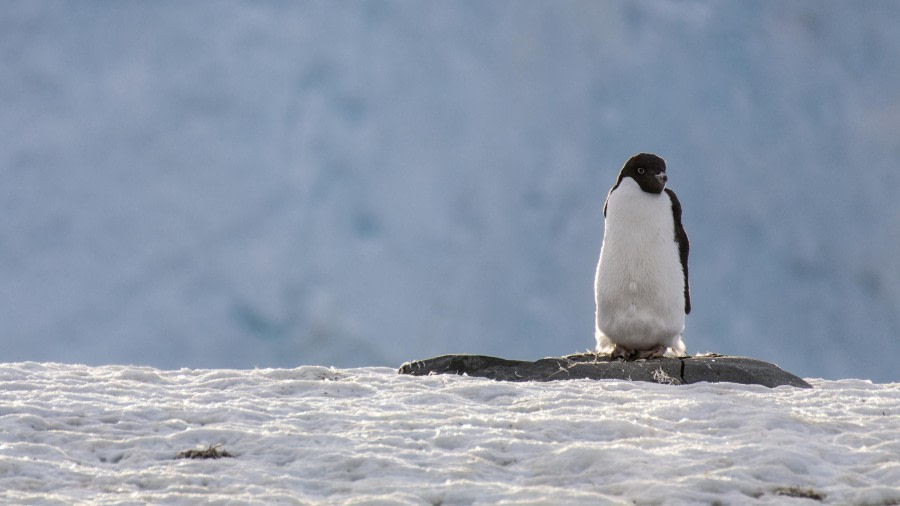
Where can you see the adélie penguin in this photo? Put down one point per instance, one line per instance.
(641, 289)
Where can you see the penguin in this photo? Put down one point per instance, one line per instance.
(641, 287)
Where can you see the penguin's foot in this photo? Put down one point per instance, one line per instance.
(656, 352)
(624, 354)
(621, 353)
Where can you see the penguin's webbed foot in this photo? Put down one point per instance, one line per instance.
(656, 352)
(620, 353)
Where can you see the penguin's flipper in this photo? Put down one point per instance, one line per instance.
(684, 247)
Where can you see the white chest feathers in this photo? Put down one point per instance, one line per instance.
(639, 286)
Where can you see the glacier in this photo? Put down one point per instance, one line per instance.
(265, 184)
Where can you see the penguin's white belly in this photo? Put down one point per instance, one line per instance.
(640, 282)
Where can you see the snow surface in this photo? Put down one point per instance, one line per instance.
(272, 184)
(73, 433)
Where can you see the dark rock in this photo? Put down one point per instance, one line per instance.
(212, 452)
(672, 371)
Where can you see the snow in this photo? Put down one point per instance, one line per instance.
(275, 184)
(110, 434)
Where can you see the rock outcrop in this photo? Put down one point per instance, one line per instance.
(674, 371)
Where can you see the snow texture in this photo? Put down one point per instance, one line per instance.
(239, 184)
(78, 434)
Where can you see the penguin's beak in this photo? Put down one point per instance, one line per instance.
(662, 178)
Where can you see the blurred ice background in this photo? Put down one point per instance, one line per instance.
(241, 184)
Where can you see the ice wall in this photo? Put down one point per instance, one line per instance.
(248, 184)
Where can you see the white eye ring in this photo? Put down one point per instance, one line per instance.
(640, 170)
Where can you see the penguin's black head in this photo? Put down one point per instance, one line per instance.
(648, 170)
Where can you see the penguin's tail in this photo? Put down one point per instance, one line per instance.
(677, 349)
(604, 345)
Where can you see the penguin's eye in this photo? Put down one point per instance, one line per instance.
(640, 170)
